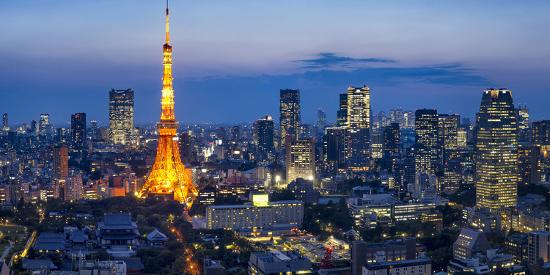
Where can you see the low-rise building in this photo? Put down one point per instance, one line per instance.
(363, 253)
(468, 243)
(278, 262)
(156, 238)
(516, 245)
(50, 243)
(422, 266)
(384, 208)
(211, 267)
(538, 249)
(259, 214)
(119, 234)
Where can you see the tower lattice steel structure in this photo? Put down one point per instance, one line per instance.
(169, 177)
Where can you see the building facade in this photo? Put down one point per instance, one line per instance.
(300, 160)
(496, 151)
(260, 214)
(78, 130)
(290, 120)
(264, 138)
(428, 149)
(121, 117)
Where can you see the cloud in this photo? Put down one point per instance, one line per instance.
(245, 98)
(332, 60)
(83, 88)
(455, 74)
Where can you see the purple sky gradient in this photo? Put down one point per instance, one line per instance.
(231, 58)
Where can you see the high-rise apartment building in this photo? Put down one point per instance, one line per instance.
(73, 188)
(290, 116)
(428, 146)
(300, 160)
(121, 117)
(496, 151)
(60, 162)
(263, 138)
(78, 130)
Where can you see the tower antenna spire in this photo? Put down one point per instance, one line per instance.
(167, 24)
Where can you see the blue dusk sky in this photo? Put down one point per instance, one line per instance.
(232, 57)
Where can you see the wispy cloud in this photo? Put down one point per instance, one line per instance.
(333, 60)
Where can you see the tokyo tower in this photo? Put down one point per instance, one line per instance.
(169, 177)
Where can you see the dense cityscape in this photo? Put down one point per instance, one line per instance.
(396, 192)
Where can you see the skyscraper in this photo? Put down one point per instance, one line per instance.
(541, 139)
(397, 116)
(541, 132)
(358, 123)
(496, 151)
(300, 160)
(5, 123)
(523, 123)
(342, 113)
(121, 116)
(186, 147)
(44, 126)
(78, 130)
(358, 107)
(94, 129)
(34, 127)
(528, 164)
(448, 131)
(290, 116)
(408, 119)
(427, 153)
(263, 138)
(392, 140)
(321, 121)
(168, 176)
(335, 146)
(60, 162)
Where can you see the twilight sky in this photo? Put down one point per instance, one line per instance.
(232, 57)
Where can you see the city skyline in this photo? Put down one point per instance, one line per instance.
(438, 62)
(343, 138)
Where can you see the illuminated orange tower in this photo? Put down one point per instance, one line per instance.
(169, 177)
